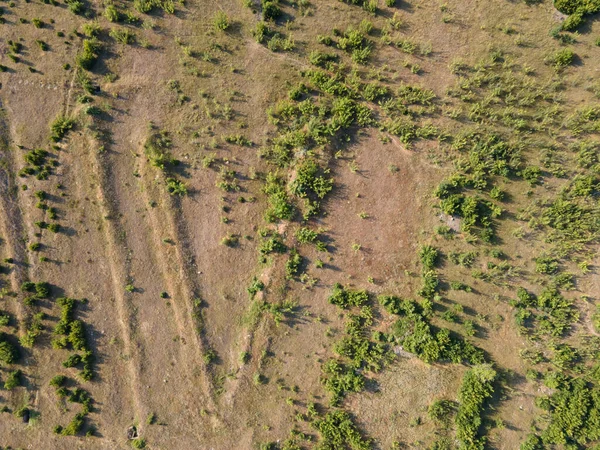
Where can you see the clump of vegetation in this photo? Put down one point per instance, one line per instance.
(476, 389)
(429, 256)
(345, 298)
(563, 58)
(157, 149)
(13, 380)
(60, 127)
(176, 187)
(89, 53)
(71, 335)
(337, 430)
(281, 207)
(221, 21)
(416, 335)
(9, 354)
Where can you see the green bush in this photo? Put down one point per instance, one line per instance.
(573, 22)
(13, 380)
(563, 58)
(60, 127)
(280, 207)
(441, 411)
(262, 32)
(476, 389)
(293, 264)
(338, 431)
(345, 298)
(88, 55)
(122, 35)
(4, 319)
(574, 414)
(157, 149)
(221, 21)
(58, 381)
(429, 256)
(8, 353)
(112, 14)
(270, 10)
(74, 426)
(577, 6)
(176, 187)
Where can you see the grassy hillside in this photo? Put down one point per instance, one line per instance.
(282, 224)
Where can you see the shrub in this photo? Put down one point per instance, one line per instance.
(255, 287)
(75, 6)
(112, 14)
(8, 353)
(292, 266)
(306, 235)
(221, 21)
(13, 380)
(157, 149)
(138, 443)
(429, 256)
(60, 127)
(122, 35)
(337, 431)
(91, 29)
(230, 240)
(4, 319)
(270, 10)
(477, 387)
(279, 202)
(279, 43)
(74, 426)
(344, 298)
(441, 411)
(176, 187)
(531, 174)
(546, 265)
(58, 381)
(563, 58)
(42, 45)
(572, 22)
(577, 6)
(261, 32)
(72, 361)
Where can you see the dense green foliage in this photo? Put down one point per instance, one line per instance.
(338, 431)
(476, 389)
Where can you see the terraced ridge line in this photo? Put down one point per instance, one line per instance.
(116, 262)
(185, 291)
(11, 217)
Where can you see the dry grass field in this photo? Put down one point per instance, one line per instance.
(295, 224)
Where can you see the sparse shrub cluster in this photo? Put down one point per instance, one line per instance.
(272, 242)
(337, 430)
(37, 164)
(71, 335)
(157, 149)
(416, 335)
(547, 314)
